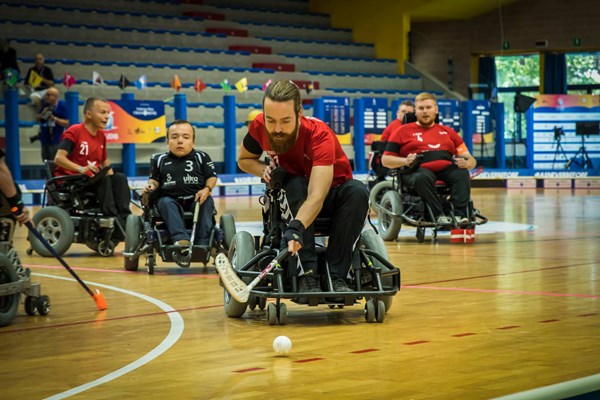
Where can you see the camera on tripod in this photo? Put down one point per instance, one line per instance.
(558, 132)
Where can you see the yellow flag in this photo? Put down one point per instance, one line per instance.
(34, 80)
(242, 85)
(176, 83)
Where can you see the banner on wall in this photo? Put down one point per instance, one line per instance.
(136, 121)
(553, 136)
(449, 113)
(481, 123)
(375, 118)
(337, 117)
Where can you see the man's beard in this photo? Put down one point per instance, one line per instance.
(282, 142)
(426, 123)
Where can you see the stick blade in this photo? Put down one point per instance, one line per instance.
(232, 282)
(100, 300)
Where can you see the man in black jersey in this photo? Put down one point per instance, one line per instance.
(183, 172)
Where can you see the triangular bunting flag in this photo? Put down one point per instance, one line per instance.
(225, 85)
(11, 77)
(267, 83)
(176, 83)
(199, 86)
(97, 79)
(123, 82)
(34, 79)
(68, 80)
(141, 83)
(242, 85)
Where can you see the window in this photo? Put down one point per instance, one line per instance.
(516, 74)
(583, 73)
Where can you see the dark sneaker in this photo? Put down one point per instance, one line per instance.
(339, 284)
(308, 283)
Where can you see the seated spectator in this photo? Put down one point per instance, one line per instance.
(180, 172)
(53, 119)
(425, 135)
(8, 58)
(37, 86)
(82, 150)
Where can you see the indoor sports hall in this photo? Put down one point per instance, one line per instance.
(506, 307)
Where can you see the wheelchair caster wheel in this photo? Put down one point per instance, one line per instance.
(252, 303)
(29, 251)
(271, 314)
(420, 235)
(370, 311)
(106, 248)
(380, 311)
(43, 305)
(262, 303)
(31, 305)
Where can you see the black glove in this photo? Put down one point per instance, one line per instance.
(16, 204)
(294, 231)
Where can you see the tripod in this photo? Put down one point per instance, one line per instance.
(586, 162)
(558, 133)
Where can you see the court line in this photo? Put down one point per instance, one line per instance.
(503, 291)
(177, 326)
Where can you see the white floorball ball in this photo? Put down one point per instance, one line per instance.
(282, 345)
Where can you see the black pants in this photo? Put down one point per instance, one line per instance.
(347, 205)
(113, 195)
(457, 179)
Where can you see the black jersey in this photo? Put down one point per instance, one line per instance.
(181, 176)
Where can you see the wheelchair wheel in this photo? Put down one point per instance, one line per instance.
(377, 192)
(240, 252)
(9, 303)
(374, 242)
(56, 226)
(133, 228)
(227, 225)
(389, 226)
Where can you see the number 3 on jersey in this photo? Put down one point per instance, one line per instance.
(189, 166)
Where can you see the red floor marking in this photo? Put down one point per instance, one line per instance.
(548, 320)
(241, 371)
(309, 360)
(417, 342)
(509, 327)
(503, 291)
(464, 334)
(364, 351)
(502, 274)
(106, 319)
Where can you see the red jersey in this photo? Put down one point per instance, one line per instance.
(413, 138)
(316, 145)
(86, 147)
(387, 132)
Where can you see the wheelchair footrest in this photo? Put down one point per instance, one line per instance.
(199, 253)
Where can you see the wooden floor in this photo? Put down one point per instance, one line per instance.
(517, 310)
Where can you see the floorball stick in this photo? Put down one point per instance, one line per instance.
(234, 285)
(97, 296)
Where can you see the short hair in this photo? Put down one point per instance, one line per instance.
(180, 122)
(407, 103)
(282, 91)
(89, 103)
(425, 96)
